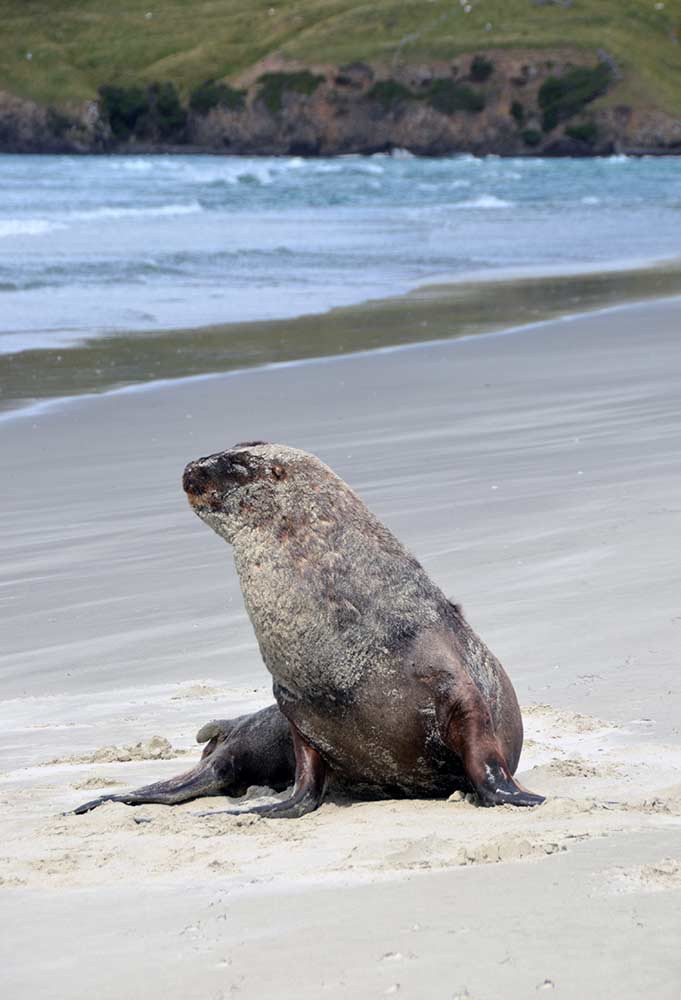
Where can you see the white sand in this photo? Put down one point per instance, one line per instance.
(537, 478)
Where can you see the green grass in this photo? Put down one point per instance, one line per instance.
(78, 45)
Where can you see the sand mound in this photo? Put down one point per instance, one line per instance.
(565, 721)
(97, 781)
(197, 691)
(157, 748)
(433, 852)
(660, 876)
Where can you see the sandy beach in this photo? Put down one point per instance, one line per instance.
(536, 476)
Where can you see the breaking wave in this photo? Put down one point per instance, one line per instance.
(485, 201)
(27, 227)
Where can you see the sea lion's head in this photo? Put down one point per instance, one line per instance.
(256, 485)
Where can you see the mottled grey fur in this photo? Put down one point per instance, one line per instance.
(374, 668)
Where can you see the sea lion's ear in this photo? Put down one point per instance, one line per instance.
(279, 472)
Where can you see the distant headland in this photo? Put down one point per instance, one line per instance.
(508, 77)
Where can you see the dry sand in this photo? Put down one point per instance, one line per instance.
(537, 478)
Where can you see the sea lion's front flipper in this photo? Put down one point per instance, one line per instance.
(308, 790)
(466, 727)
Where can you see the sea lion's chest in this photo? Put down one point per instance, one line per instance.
(327, 620)
(315, 642)
(337, 635)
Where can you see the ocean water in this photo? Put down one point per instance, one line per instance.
(111, 245)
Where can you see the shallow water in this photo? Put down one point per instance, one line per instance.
(90, 246)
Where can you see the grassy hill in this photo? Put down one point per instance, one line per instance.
(61, 51)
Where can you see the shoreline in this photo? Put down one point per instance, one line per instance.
(442, 309)
(43, 406)
(633, 152)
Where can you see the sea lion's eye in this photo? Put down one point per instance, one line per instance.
(279, 472)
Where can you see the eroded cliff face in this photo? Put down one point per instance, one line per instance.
(509, 103)
(26, 127)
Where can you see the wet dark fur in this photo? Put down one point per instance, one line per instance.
(251, 750)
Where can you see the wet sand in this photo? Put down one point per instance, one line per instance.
(440, 310)
(536, 477)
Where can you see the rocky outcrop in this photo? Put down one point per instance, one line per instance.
(510, 103)
(26, 127)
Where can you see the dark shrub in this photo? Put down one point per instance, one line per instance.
(168, 114)
(211, 95)
(389, 93)
(481, 69)
(274, 85)
(561, 97)
(446, 96)
(57, 122)
(123, 107)
(586, 132)
(518, 112)
(531, 137)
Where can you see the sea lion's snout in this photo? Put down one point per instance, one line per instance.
(205, 479)
(194, 479)
(199, 485)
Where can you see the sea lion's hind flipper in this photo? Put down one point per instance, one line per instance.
(308, 790)
(216, 727)
(202, 780)
(466, 727)
(498, 788)
(92, 804)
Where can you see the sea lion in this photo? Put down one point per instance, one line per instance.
(385, 685)
(255, 749)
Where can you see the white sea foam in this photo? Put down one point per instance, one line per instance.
(484, 201)
(27, 227)
(38, 227)
(123, 212)
(477, 161)
(591, 200)
(137, 166)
